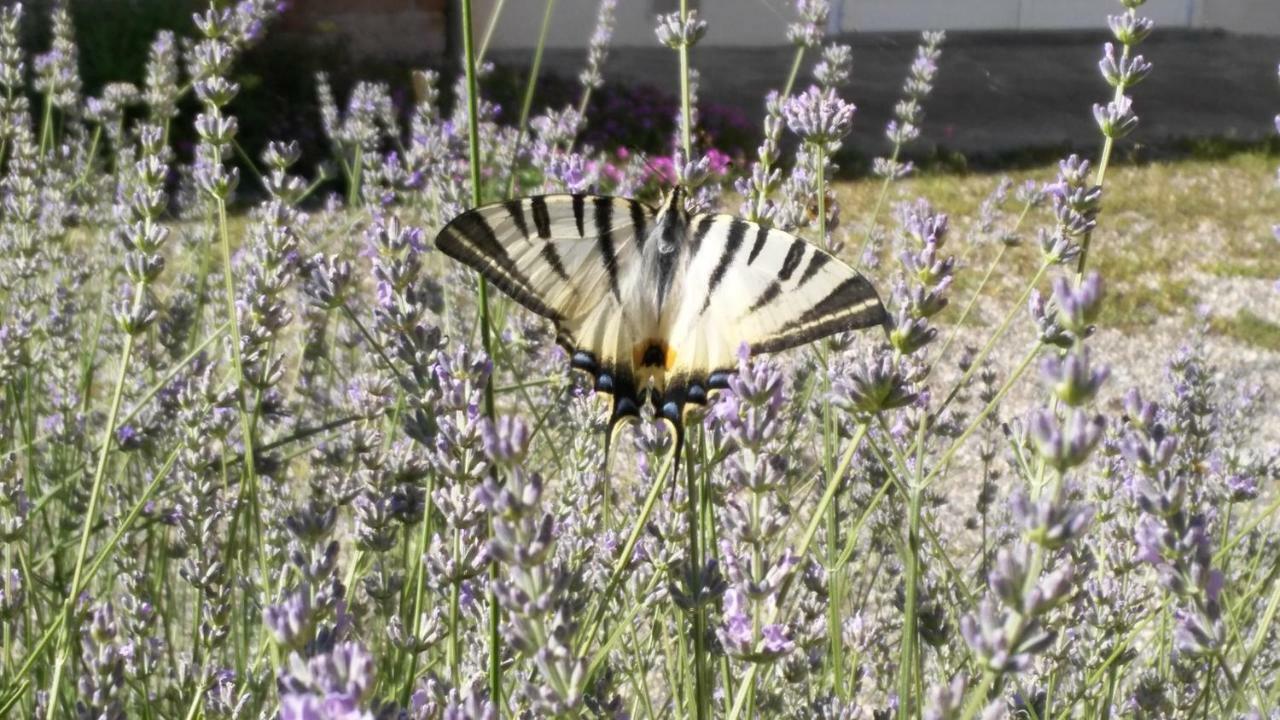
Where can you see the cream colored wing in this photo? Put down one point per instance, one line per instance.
(572, 259)
(765, 287)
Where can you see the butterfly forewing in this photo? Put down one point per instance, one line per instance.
(765, 287)
(571, 258)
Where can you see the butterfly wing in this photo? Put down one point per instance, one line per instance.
(572, 259)
(765, 287)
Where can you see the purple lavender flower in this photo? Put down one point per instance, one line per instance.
(12, 595)
(1073, 380)
(737, 637)
(1123, 71)
(1080, 304)
(676, 33)
(1130, 28)
(57, 71)
(836, 66)
(591, 77)
(1066, 445)
(1116, 119)
(747, 412)
(330, 686)
(819, 116)
(811, 25)
(875, 385)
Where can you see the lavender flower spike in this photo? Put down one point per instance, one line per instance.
(811, 26)
(819, 116)
(675, 33)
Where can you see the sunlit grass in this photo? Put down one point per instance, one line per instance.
(1165, 224)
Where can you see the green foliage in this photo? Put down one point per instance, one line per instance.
(113, 35)
(1249, 329)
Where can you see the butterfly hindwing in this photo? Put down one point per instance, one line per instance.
(570, 258)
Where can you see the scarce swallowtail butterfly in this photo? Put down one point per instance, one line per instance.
(655, 303)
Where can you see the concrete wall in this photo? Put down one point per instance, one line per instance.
(388, 29)
(730, 22)
(756, 22)
(1246, 16)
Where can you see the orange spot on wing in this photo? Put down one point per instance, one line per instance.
(670, 359)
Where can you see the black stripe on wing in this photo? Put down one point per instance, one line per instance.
(795, 254)
(604, 239)
(541, 217)
(469, 240)
(816, 262)
(639, 223)
(516, 209)
(480, 238)
(769, 295)
(580, 213)
(851, 305)
(700, 231)
(762, 236)
(737, 232)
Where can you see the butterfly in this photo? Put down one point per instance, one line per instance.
(655, 303)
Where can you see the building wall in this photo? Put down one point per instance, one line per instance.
(387, 29)
(1248, 16)
(1003, 14)
(755, 22)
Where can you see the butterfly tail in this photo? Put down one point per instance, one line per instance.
(624, 408)
(672, 410)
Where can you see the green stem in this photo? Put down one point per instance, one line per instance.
(973, 300)
(530, 85)
(473, 133)
(999, 333)
(990, 407)
(835, 639)
(883, 195)
(686, 130)
(624, 558)
(908, 667)
(792, 74)
(802, 549)
(693, 509)
(90, 572)
(488, 31)
(1104, 160)
(46, 124)
(249, 482)
(419, 591)
(95, 495)
(762, 193)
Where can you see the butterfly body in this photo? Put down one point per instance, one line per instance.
(655, 303)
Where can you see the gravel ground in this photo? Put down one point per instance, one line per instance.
(1139, 358)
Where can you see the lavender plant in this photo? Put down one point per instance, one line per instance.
(294, 465)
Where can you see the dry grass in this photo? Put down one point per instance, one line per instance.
(1163, 226)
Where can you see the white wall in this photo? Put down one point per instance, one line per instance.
(757, 22)
(1246, 16)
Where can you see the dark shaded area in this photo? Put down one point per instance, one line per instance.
(1002, 98)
